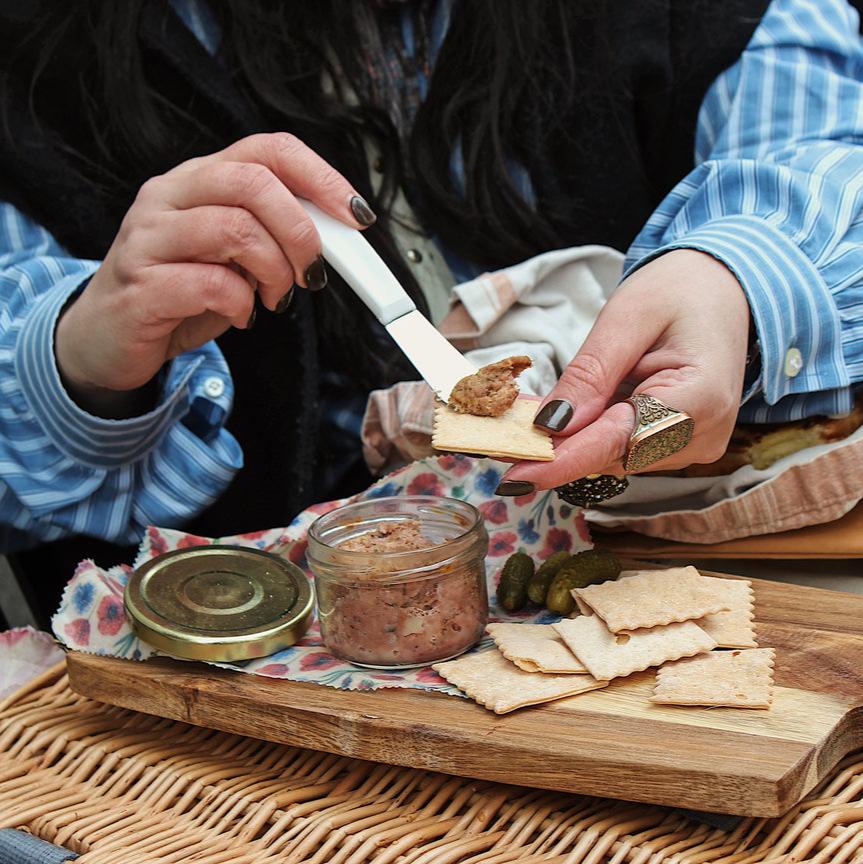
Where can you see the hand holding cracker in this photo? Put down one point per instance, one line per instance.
(675, 329)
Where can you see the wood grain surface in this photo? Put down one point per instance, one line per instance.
(609, 742)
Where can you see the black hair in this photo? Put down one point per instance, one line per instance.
(501, 90)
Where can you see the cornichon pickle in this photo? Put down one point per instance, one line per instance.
(581, 570)
(596, 565)
(559, 599)
(512, 588)
(538, 586)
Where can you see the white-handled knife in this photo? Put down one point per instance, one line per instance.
(441, 365)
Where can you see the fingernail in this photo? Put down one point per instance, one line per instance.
(251, 322)
(514, 488)
(282, 305)
(316, 274)
(362, 212)
(554, 416)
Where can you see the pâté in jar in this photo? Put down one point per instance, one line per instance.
(400, 582)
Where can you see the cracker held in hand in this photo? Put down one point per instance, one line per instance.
(607, 655)
(651, 598)
(492, 681)
(535, 648)
(511, 435)
(734, 679)
(733, 628)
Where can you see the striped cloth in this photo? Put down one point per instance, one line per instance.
(776, 195)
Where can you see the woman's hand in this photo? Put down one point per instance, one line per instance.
(193, 249)
(676, 329)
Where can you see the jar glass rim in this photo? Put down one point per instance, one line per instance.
(465, 508)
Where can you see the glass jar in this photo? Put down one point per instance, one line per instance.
(411, 590)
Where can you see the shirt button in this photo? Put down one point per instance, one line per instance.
(414, 256)
(214, 387)
(378, 165)
(793, 362)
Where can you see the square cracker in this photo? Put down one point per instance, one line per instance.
(511, 435)
(535, 648)
(492, 681)
(607, 655)
(651, 598)
(733, 628)
(738, 679)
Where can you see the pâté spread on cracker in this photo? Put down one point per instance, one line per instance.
(492, 390)
(485, 415)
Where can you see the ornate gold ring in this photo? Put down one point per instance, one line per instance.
(659, 432)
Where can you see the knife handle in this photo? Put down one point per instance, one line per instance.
(360, 266)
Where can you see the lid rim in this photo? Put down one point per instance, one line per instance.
(185, 641)
(237, 638)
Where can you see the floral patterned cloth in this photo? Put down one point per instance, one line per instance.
(92, 618)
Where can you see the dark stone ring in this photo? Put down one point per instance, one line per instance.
(592, 489)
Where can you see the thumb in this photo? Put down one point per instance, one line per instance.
(591, 450)
(618, 340)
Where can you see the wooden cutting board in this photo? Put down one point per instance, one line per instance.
(609, 742)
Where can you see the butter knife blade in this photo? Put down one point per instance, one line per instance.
(345, 248)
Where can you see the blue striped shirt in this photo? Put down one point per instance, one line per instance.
(776, 195)
(65, 471)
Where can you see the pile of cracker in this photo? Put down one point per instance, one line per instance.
(675, 619)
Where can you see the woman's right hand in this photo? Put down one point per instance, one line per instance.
(193, 249)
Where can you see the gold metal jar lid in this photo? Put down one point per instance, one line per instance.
(219, 603)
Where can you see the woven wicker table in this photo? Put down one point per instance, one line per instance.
(116, 786)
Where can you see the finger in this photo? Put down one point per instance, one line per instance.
(303, 172)
(713, 409)
(222, 235)
(254, 188)
(681, 387)
(184, 291)
(619, 338)
(600, 447)
(585, 452)
(194, 332)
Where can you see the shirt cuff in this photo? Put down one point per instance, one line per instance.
(797, 323)
(83, 437)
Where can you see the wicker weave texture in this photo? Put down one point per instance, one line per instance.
(120, 787)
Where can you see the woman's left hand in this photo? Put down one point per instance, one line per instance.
(676, 329)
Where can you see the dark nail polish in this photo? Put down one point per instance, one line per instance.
(362, 212)
(251, 322)
(514, 488)
(554, 416)
(316, 275)
(282, 305)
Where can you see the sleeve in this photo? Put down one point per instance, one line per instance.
(65, 471)
(777, 196)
